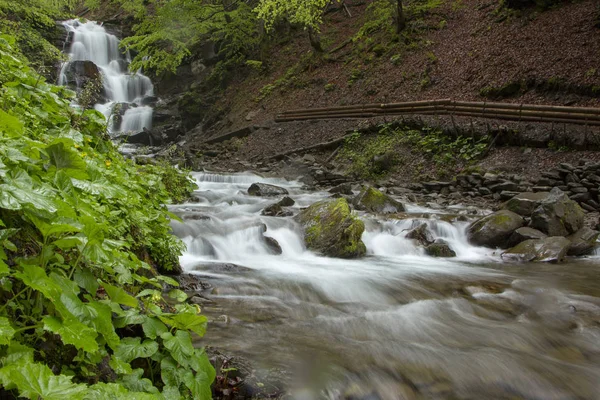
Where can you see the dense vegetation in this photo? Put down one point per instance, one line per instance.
(83, 231)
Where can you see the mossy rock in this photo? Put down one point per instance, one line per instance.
(583, 242)
(494, 230)
(331, 229)
(557, 215)
(550, 249)
(440, 249)
(525, 203)
(372, 200)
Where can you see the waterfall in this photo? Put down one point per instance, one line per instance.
(88, 42)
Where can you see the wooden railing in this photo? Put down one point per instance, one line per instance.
(506, 111)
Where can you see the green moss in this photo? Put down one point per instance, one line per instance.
(331, 228)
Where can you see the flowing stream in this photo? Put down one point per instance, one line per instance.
(396, 324)
(89, 41)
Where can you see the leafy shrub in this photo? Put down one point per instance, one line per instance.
(81, 233)
(362, 152)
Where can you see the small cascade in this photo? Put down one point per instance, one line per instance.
(93, 51)
(224, 224)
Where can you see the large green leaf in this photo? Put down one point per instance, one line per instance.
(104, 325)
(119, 295)
(73, 332)
(19, 190)
(198, 384)
(6, 331)
(186, 321)
(153, 328)
(10, 125)
(36, 278)
(36, 381)
(136, 383)
(115, 391)
(131, 348)
(17, 353)
(67, 160)
(180, 346)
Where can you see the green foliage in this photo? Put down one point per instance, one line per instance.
(169, 32)
(81, 229)
(307, 13)
(370, 156)
(33, 24)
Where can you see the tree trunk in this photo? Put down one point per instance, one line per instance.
(315, 41)
(401, 19)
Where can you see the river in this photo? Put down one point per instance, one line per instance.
(396, 324)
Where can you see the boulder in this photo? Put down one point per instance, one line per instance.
(421, 235)
(557, 215)
(439, 248)
(550, 249)
(583, 242)
(342, 188)
(372, 200)
(524, 233)
(272, 245)
(494, 230)
(331, 229)
(78, 73)
(275, 210)
(524, 203)
(286, 202)
(266, 190)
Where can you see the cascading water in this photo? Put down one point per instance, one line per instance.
(396, 324)
(89, 42)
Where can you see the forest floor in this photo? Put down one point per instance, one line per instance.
(459, 49)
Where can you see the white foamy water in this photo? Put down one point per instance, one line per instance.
(467, 327)
(91, 42)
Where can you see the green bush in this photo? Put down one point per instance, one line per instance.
(82, 231)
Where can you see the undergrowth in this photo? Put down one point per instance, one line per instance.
(372, 156)
(83, 314)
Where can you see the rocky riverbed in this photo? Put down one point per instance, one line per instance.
(422, 311)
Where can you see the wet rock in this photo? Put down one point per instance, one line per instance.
(372, 200)
(583, 242)
(550, 249)
(421, 235)
(440, 248)
(523, 234)
(557, 215)
(344, 188)
(286, 202)
(273, 245)
(79, 73)
(275, 210)
(494, 230)
(331, 228)
(525, 203)
(266, 190)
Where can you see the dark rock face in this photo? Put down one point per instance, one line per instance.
(523, 234)
(266, 190)
(583, 242)
(342, 188)
(286, 202)
(372, 200)
(275, 210)
(440, 248)
(557, 215)
(550, 249)
(330, 228)
(494, 230)
(421, 235)
(79, 73)
(525, 203)
(146, 137)
(273, 245)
